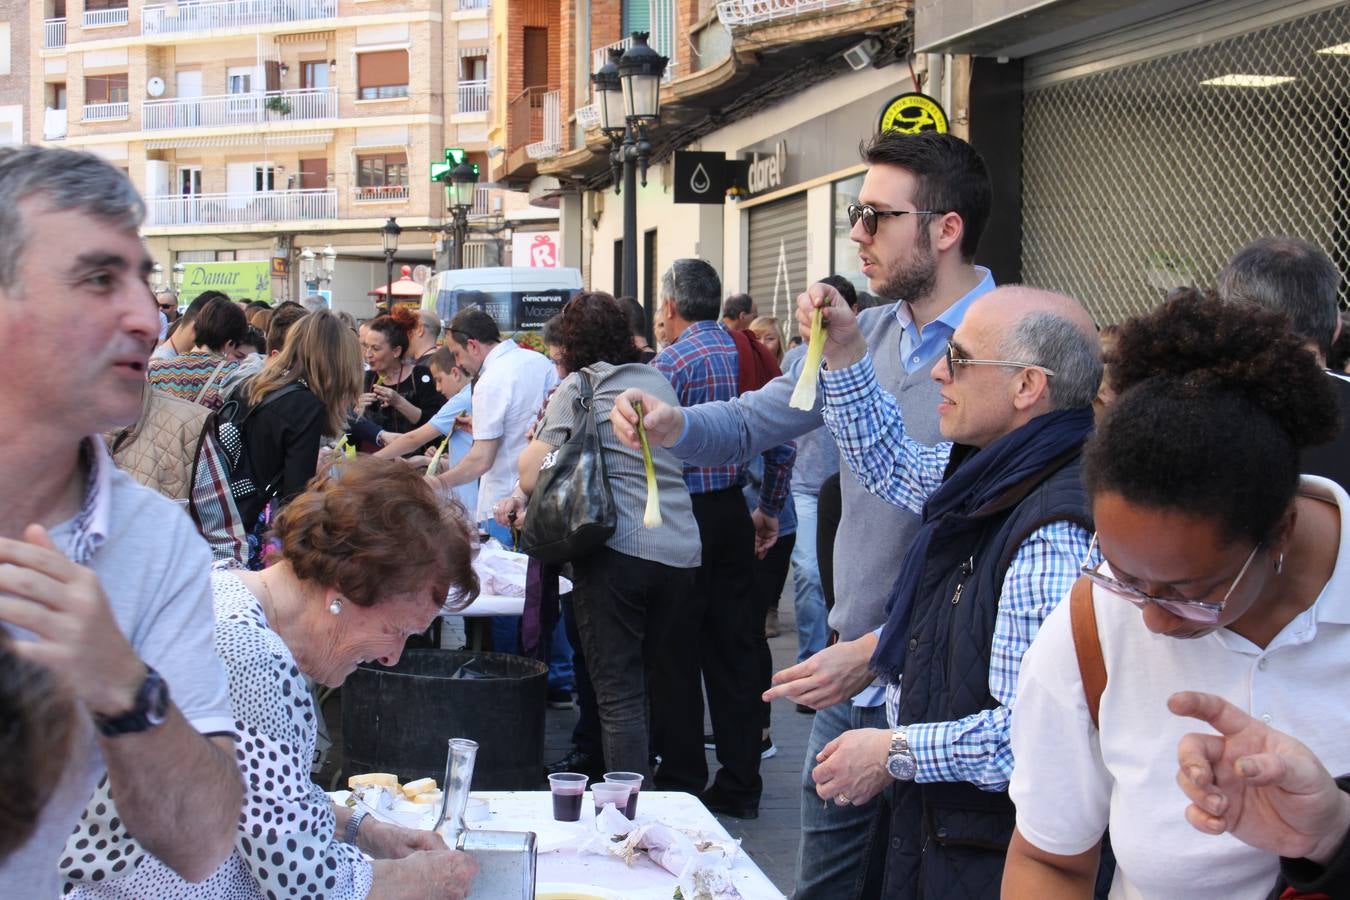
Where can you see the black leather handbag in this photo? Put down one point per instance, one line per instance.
(571, 512)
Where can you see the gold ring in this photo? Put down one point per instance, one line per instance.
(842, 799)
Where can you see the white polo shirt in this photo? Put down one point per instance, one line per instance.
(1070, 782)
(511, 388)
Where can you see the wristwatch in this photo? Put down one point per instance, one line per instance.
(353, 826)
(900, 762)
(149, 710)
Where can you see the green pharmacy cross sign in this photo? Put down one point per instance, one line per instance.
(454, 156)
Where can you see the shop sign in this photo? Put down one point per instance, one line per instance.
(767, 173)
(703, 177)
(913, 114)
(238, 280)
(535, 249)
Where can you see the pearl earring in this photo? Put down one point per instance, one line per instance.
(335, 607)
(1279, 564)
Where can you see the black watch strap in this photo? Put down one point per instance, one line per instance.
(148, 711)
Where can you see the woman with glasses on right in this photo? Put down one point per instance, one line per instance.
(1215, 568)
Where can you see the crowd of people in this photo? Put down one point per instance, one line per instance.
(985, 475)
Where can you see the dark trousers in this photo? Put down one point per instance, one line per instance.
(770, 576)
(586, 734)
(829, 510)
(625, 609)
(717, 634)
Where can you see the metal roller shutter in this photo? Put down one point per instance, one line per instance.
(1138, 176)
(778, 255)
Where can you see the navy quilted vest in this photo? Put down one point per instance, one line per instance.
(948, 840)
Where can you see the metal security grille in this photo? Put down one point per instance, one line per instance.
(777, 256)
(1142, 178)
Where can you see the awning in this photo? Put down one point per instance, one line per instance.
(279, 139)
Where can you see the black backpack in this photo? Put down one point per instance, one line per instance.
(223, 476)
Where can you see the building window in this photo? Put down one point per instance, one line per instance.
(105, 88)
(382, 75)
(382, 176)
(264, 176)
(846, 260)
(473, 68)
(314, 74)
(105, 4)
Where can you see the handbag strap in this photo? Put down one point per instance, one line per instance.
(209, 381)
(1087, 645)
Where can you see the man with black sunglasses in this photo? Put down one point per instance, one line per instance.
(929, 195)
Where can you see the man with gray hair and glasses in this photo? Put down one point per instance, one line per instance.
(1004, 527)
(721, 634)
(1296, 278)
(103, 581)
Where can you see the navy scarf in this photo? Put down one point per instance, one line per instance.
(979, 480)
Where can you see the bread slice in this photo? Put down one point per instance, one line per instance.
(420, 786)
(430, 797)
(383, 779)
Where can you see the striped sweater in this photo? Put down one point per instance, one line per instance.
(186, 376)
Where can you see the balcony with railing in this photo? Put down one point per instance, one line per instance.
(472, 96)
(53, 34)
(106, 18)
(105, 112)
(473, 4)
(208, 15)
(475, 254)
(241, 208)
(239, 109)
(734, 13)
(482, 202)
(379, 193)
(550, 143)
(661, 39)
(525, 117)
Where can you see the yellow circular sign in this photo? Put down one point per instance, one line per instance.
(913, 114)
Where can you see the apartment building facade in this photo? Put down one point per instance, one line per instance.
(14, 69)
(258, 128)
(749, 80)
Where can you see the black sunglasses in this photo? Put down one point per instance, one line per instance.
(869, 213)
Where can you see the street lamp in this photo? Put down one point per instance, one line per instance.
(156, 278)
(389, 234)
(179, 270)
(459, 195)
(307, 273)
(628, 92)
(328, 265)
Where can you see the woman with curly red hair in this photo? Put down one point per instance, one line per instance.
(626, 594)
(399, 394)
(369, 556)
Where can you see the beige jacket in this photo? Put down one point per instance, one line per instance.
(159, 449)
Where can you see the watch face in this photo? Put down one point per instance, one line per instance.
(157, 705)
(901, 766)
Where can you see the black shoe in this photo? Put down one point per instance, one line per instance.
(718, 803)
(589, 764)
(805, 710)
(560, 699)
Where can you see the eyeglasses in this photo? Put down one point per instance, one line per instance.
(953, 361)
(868, 213)
(1194, 610)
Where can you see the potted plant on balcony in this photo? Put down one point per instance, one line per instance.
(278, 104)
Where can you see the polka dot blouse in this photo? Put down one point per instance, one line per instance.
(285, 846)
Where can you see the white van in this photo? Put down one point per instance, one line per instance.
(518, 298)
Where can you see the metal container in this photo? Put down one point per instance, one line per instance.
(506, 859)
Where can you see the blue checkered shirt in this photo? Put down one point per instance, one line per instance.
(867, 425)
(702, 365)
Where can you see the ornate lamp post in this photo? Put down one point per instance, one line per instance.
(459, 195)
(628, 92)
(389, 235)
